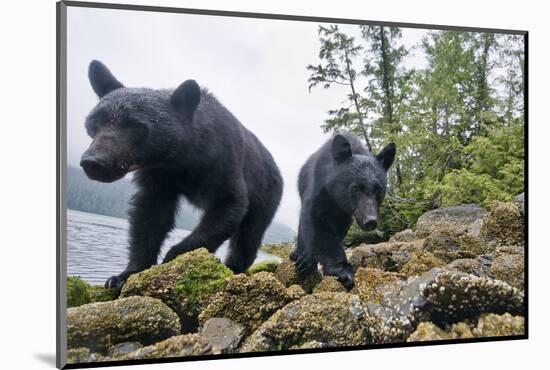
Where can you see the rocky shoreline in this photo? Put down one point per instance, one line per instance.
(460, 274)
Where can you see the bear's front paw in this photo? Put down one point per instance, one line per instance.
(344, 273)
(115, 282)
(305, 266)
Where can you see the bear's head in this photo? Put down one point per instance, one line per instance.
(133, 128)
(358, 182)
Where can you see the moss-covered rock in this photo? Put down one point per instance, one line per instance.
(373, 284)
(504, 224)
(472, 246)
(420, 263)
(458, 218)
(266, 266)
(80, 292)
(185, 284)
(491, 325)
(77, 292)
(509, 268)
(329, 284)
(286, 274)
(247, 300)
(99, 326)
(176, 346)
(333, 318)
(282, 250)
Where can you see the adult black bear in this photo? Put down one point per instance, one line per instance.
(181, 143)
(342, 179)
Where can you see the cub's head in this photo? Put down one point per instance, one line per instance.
(132, 128)
(358, 182)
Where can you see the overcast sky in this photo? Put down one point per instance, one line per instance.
(255, 67)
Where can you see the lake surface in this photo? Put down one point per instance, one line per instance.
(97, 246)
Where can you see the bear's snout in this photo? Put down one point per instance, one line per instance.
(367, 224)
(97, 168)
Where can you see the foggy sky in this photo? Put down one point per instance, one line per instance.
(255, 67)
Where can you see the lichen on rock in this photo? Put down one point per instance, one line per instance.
(504, 224)
(176, 346)
(372, 285)
(282, 250)
(337, 319)
(329, 284)
(458, 218)
(491, 325)
(420, 263)
(99, 326)
(247, 300)
(286, 273)
(185, 284)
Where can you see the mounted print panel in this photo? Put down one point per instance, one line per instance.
(235, 184)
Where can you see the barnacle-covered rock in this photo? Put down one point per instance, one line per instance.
(334, 319)
(185, 284)
(98, 326)
(286, 273)
(247, 300)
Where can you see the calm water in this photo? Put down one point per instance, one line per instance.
(97, 246)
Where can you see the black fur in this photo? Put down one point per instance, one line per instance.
(181, 143)
(340, 181)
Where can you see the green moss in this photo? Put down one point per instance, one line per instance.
(200, 280)
(77, 292)
(184, 284)
(267, 266)
(100, 294)
(282, 250)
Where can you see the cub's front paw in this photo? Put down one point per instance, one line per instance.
(344, 273)
(114, 282)
(117, 281)
(305, 265)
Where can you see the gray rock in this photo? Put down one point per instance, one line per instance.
(223, 334)
(404, 236)
(124, 347)
(520, 202)
(459, 218)
(480, 266)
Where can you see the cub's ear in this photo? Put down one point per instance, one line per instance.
(101, 79)
(341, 148)
(186, 98)
(386, 156)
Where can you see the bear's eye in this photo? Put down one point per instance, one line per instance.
(354, 188)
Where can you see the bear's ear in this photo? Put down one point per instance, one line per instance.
(101, 79)
(186, 98)
(341, 148)
(386, 156)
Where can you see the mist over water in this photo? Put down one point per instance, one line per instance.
(97, 246)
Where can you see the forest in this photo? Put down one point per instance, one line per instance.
(458, 122)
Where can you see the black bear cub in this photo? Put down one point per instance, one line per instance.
(181, 143)
(340, 181)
